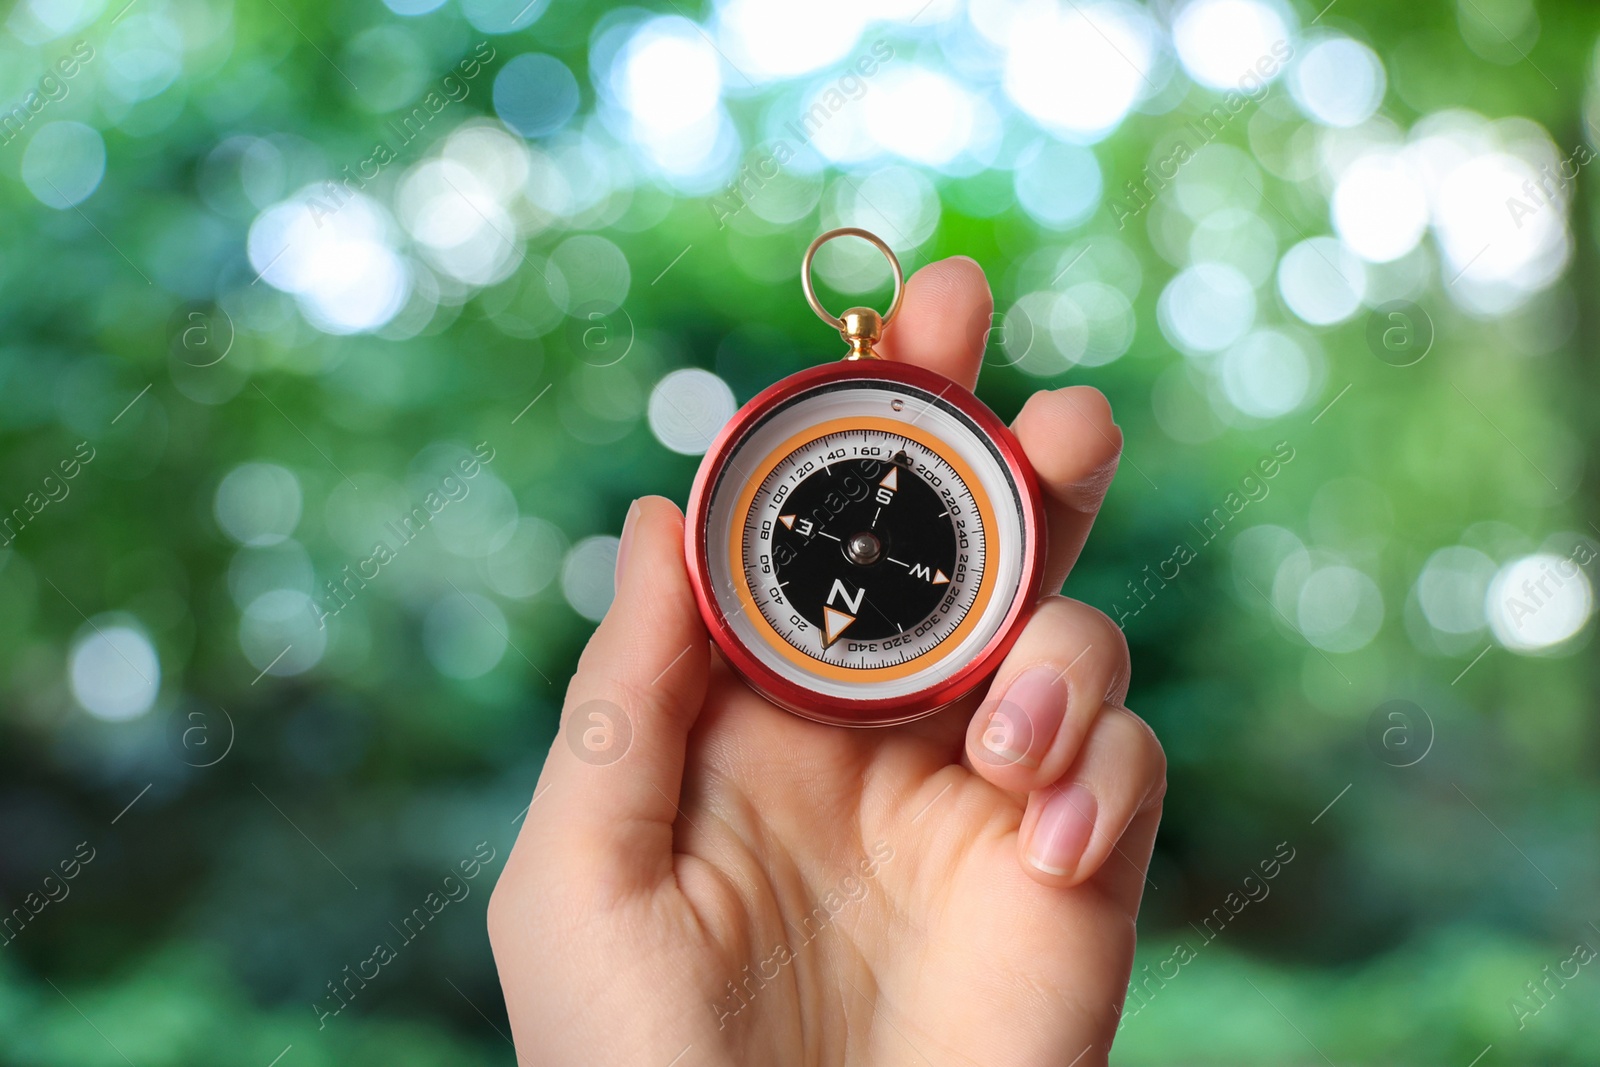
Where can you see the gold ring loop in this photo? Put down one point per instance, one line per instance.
(865, 235)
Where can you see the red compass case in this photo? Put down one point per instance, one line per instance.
(866, 538)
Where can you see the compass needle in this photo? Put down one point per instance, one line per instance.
(837, 622)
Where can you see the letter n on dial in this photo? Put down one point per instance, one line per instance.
(864, 549)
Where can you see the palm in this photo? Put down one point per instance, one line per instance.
(737, 885)
(826, 842)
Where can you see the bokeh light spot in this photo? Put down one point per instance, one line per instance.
(332, 250)
(63, 163)
(687, 409)
(1380, 207)
(768, 40)
(1452, 587)
(1321, 281)
(413, 7)
(920, 114)
(503, 16)
(1220, 41)
(595, 269)
(258, 503)
(464, 635)
(280, 634)
(1107, 319)
(1206, 307)
(588, 576)
(143, 55)
(1538, 602)
(1340, 609)
(528, 562)
(1338, 82)
(535, 94)
(1058, 185)
(1265, 375)
(1079, 69)
(115, 673)
(62, 16)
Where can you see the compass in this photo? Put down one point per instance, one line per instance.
(865, 538)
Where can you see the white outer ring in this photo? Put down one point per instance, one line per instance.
(870, 398)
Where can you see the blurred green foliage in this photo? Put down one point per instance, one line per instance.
(233, 814)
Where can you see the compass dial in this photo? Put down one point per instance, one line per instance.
(866, 541)
(873, 540)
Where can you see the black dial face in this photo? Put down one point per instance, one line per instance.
(865, 548)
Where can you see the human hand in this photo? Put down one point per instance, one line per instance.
(744, 886)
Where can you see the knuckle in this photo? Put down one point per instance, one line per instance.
(1087, 493)
(1100, 634)
(500, 912)
(615, 694)
(1085, 642)
(1108, 634)
(1074, 451)
(1149, 756)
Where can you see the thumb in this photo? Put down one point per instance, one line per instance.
(610, 788)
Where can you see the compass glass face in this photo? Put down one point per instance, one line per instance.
(865, 540)
(877, 547)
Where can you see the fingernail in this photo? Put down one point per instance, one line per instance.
(1062, 831)
(1024, 724)
(627, 537)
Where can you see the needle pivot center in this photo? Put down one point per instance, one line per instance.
(864, 549)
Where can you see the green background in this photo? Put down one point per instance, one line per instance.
(283, 815)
